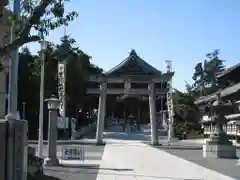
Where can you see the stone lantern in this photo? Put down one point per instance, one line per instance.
(218, 145)
(53, 107)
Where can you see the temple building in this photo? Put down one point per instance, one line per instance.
(229, 81)
(140, 92)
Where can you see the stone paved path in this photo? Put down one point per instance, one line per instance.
(76, 169)
(131, 161)
(193, 152)
(134, 160)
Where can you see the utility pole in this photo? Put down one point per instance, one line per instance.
(13, 69)
(41, 105)
(12, 115)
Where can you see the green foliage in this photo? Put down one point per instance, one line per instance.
(205, 82)
(28, 87)
(36, 20)
(205, 75)
(79, 68)
(186, 113)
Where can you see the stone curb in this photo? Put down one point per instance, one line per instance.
(66, 142)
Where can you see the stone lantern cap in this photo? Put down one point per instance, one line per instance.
(53, 103)
(220, 106)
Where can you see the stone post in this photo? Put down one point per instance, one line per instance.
(164, 120)
(101, 113)
(103, 109)
(17, 142)
(21, 146)
(73, 129)
(53, 106)
(139, 119)
(3, 150)
(152, 112)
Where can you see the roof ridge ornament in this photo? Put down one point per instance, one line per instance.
(132, 53)
(168, 65)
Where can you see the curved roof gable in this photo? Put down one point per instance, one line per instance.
(133, 65)
(229, 70)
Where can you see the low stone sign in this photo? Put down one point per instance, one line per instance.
(73, 153)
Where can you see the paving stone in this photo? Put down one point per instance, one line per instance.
(75, 172)
(193, 152)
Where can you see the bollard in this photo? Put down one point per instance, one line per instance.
(17, 148)
(3, 150)
(21, 149)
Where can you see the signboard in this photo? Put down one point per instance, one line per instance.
(61, 87)
(73, 153)
(62, 123)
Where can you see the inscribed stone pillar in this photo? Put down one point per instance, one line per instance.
(101, 113)
(152, 112)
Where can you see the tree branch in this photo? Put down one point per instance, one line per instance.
(24, 37)
(17, 43)
(35, 17)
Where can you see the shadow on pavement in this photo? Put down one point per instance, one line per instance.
(180, 147)
(66, 168)
(176, 146)
(72, 166)
(126, 136)
(116, 169)
(44, 177)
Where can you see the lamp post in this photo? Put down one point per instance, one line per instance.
(53, 106)
(43, 45)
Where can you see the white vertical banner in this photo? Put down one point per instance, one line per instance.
(62, 88)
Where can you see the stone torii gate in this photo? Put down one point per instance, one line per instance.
(131, 76)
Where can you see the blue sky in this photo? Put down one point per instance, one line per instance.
(179, 30)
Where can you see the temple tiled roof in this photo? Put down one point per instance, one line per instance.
(225, 92)
(231, 89)
(228, 70)
(133, 65)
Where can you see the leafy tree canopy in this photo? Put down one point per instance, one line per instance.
(205, 74)
(205, 82)
(36, 20)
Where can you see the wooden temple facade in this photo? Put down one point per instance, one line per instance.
(229, 81)
(133, 77)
